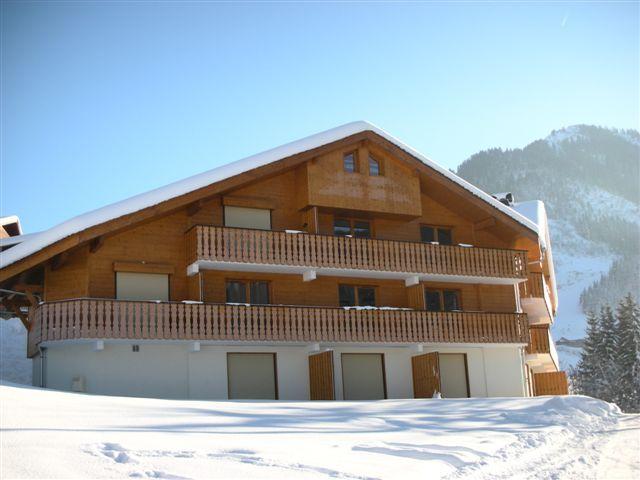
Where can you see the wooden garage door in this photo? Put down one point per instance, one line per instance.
(363, 376)
(321, 385)
(552, 383)
(426, 375)
(252, 376)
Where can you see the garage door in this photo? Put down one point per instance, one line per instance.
(453, 375)
(252, 376)
(363, 376)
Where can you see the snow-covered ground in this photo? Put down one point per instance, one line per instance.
(68, 435)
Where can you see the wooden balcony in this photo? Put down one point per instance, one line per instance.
(536, 298)
(539, 340)
(224, 245)
(116, 319)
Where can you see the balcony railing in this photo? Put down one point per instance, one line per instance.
(539, 340)
(534, 287)
(224, 244)
(112, 319)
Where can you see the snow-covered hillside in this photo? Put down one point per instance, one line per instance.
(588, 178)
(14, 365)
(65, 435)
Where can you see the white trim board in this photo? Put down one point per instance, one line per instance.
(199, 265)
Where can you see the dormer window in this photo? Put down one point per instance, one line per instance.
(374, 167)
(350, 162)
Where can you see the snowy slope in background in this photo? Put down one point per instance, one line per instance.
(587, 177)
(117, 437)
(14, 365)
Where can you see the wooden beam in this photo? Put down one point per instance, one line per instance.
(59, 260)
(486, 223)
(32, 298)
(195, 207)
(96, 243)
(14, 307)
(26, 287)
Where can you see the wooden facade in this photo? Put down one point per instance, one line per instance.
(491, 261)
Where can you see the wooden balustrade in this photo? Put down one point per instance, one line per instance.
(105, 319)
(224, 244)
(539, 340)
(534, 287)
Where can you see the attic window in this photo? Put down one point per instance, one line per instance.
(374, 167)
(349, 162)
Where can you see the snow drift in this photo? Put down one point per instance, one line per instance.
(66, 435)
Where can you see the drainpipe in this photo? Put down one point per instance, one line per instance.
(43, 365)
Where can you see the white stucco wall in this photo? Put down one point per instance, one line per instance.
(172, 371)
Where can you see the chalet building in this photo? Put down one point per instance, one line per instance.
(345, 265)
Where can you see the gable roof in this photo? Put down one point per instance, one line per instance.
(181, 187)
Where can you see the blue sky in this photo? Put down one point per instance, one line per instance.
(101, 101)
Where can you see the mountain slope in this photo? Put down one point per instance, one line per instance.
(588, 178)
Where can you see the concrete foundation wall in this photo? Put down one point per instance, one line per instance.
(173, 371)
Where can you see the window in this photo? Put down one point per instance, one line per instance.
(374, 167)
(241, 217)
(355, 295)
(356, 228)
(451, 300)
(442, 300)
(254, 292)
(350, 162)
(142, 286)
(442, 235)
(341, 227)
(432, 300)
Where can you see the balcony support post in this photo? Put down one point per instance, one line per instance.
(309, 275)
(193, 269)
(411, 281)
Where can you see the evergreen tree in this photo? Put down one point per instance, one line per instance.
(587, 370)
(608, 377)
(628, 354)
(609, 367)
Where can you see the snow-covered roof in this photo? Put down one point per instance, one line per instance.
(154, 197)
(8, 241)
(535, 211)
(10, 220)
